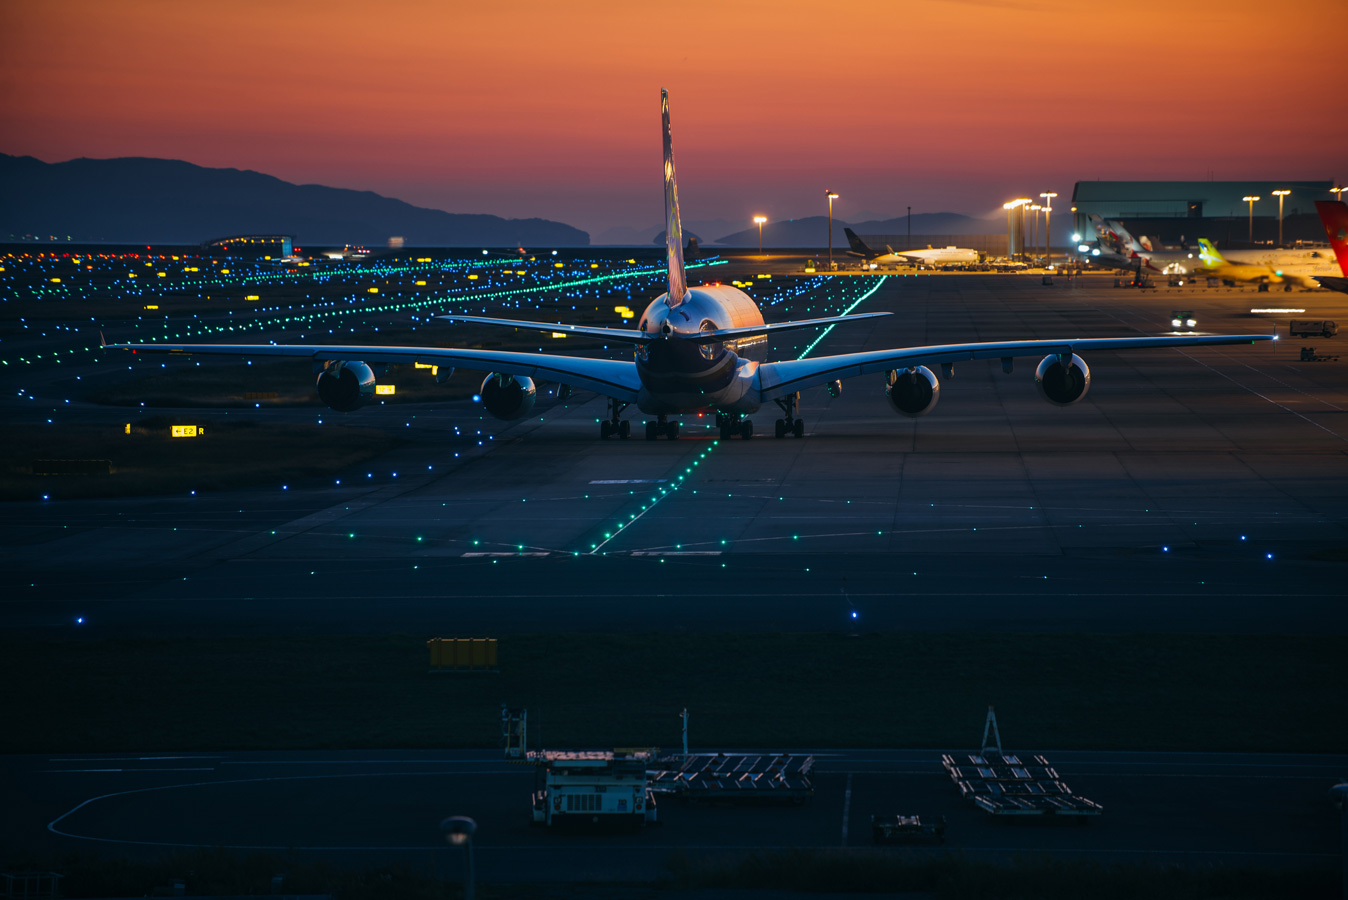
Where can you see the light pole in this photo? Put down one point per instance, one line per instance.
(1338, 192)
(1048, 235)
(910, 229)
(1251, 201)
(1034, 225)
(1011, 207)
(1280, 195)
(831, 197)
(759, 220)
(459, 831)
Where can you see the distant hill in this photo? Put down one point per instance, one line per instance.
(812, 231)
(136, 199)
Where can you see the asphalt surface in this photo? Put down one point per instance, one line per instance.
(1191, 491)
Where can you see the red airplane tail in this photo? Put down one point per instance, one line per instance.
(1334, 215)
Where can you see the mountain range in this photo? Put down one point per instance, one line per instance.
(138, 199)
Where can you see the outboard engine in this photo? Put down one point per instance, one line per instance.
(345, 386)
(508, 396)
(913, 392)
(1062, 385)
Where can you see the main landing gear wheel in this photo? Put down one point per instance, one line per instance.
(661, 427)
(789, 424)
(746, 429)
(672, 431)
(614, 425)
(652, 431)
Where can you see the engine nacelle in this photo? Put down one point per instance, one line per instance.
(913, 392)
(1062, 385)
(345, 386)
(508, 396)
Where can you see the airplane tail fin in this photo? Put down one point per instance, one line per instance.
(857, 244)
(678, 283)
(1211, 252)
(1334, 216)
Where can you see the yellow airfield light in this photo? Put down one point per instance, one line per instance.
(224, 271)
(182, 431)
(252, 297)
(472, 278)
(594, 265)
(420, 284)
(153, 306)
(130, 274)
(521, 272)
(809, 270)
(372, 291)
(56, 280)
(559, 265)
(764, 276)
(559, 334)
(422, 365)
(632, 261)
(161, 274)
(384, 389)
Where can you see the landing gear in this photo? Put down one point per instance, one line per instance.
(732, 425)
(789, 424)
(613, 425)
(662, 427)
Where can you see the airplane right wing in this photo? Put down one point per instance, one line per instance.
(781, 378)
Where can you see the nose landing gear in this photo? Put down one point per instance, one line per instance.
(662, 427)
(732, 425)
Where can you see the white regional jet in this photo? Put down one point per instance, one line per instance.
(932, 256)
(696, 349)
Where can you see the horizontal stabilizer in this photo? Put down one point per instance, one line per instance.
(630, 335)
(729, 334)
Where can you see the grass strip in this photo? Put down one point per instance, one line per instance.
(1060, 691)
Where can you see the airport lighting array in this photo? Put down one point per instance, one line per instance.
(759, 220)
(831, 197)
(1048, 213)
(1280, 195)
(1251, 201)
(1011, 207)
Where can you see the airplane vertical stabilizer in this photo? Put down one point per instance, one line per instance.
(1334, 216)
(678, 284)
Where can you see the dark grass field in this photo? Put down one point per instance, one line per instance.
(149, 461)
(1139, 692)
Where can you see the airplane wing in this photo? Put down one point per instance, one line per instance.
(781, 378)
(612, 378)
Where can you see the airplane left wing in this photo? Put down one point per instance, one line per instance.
(612, 378)
(781, 378)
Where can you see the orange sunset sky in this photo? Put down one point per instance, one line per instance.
(552, 109)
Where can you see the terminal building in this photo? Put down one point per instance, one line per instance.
(1180, 212)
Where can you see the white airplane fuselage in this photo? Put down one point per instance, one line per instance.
(679, 375)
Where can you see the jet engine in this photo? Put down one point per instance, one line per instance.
(508, 396)
(913, 392)
(345, 386)
(1062, 385)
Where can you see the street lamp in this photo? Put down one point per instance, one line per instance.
(1034, 225)
(1251, 201)
(1048, 213)
(1338, 192)
(1280, 195)
(759, 220)
(459, 831)
(1011, 208)
(831, 197)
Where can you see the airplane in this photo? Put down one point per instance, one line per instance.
(1334, 216)
(932, 256)
(696, 349)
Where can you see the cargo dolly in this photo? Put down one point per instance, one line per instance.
(1005, 784)
(907, 829)
(734, 778)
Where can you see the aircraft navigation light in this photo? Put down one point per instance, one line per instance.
(1076, 237)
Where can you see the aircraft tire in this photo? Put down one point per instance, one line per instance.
(798, 428)
(652, 431)
(672, 431)
(624, 429)
(605, 429)
(746, 430)
(780, 429)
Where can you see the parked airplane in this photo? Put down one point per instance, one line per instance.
(1334, 216)
(932, 256)
(696, 349)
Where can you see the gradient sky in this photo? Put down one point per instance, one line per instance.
(552, 109)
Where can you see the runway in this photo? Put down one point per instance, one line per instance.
(1191, 490)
